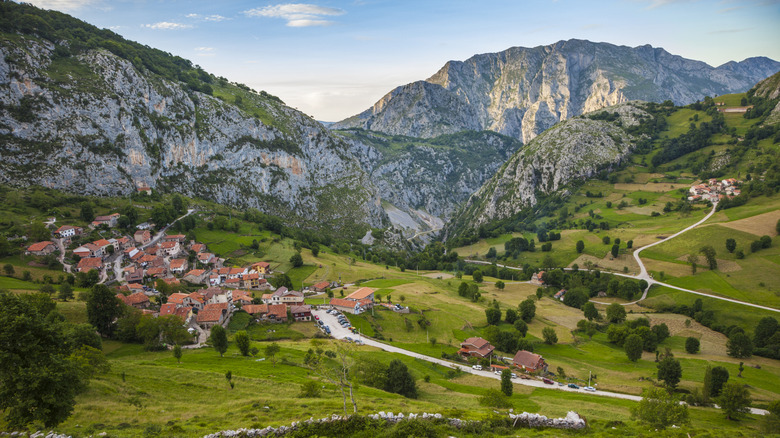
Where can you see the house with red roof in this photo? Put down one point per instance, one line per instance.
(139, 300)
(42, 248)
(321, 286)
(301, 313)
(178, 266)
(89, 263)
(196, 276)
(476, 347)
(256, 309)
(261, 268)
(345, 305)
(183, 312)
(363, 295)
(277, 313)
(110, 220)
(170, 247)
(68, 231)
(206, 258)
(142, 237)
(529, 361)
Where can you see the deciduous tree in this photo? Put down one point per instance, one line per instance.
(103, 308)
(590, 311)
(549, 335)
(660, 409)
(616, 313)
(734, 400)
(506, 382)
(633, 347)
(692, 345)
(219, 339)
(670, 371)
(242, 342)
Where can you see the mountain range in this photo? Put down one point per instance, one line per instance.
(520, 92)
(85, 110)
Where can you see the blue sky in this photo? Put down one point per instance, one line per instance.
(332, 59)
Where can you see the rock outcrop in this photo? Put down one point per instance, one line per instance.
(575, 149)
(95, 124)
(521, 92)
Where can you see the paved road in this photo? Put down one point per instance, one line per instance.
(161, 233)
(339, 332)
(643, 274)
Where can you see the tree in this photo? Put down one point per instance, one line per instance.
(615, 250)
(709, 254)
(549, 335)
(616, 313)
(506, 382)
(719, 377)
(340, 376)
(539, 293)
(692, 259)
(500, 285)
(521, 327)
(765, 329)
(241, 339)
(38, 382)
(177, 353)
(66, 291)
(580, 246)
(670, 371)
(103, 308)
(296, 260)
(39, 232)
(772, 420)
(493, 315)
(739, 345)
(731, 244)
(8, 269)
(692, 345)
(271, 351)
(511, 316)
(87, 214)
(477, 275)
(590, 311)
(633, 347)
(400, 380)
(46, 288)
(605, 240)
(281, 280)
(219, 339)
(527, 310)
(660, 409)
(491, 254)
(630, 244)
(734, 400)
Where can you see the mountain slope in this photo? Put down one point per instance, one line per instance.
(572, 150)
(75, 115)
(520, 92)
(427, 179)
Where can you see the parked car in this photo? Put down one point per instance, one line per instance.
(477, 367)
(316, 317)
(514, 376)
(573, 386)
(548, 381)
(525, 377)
(590, 388)
(497, 372)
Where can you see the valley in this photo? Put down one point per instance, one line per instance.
(585, 233)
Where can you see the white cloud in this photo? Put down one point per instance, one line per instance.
(167, 25)
(298, 14)
(204, 51)
(214, 17)
(62, 5)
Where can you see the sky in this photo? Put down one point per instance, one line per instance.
(332, 59)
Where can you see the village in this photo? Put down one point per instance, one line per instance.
(142, 264)
(714, 190)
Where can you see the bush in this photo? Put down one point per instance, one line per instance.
(495, 399)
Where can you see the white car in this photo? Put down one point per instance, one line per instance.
(477, 367)
(590, 388)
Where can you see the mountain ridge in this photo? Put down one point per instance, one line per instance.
(522, 91)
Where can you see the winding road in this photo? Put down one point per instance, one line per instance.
(644, 275)
(339, 332)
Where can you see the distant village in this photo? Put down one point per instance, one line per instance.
(714, 190)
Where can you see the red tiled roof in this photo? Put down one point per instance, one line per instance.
(101, 243)
(169, 244)
(476, 342)
(137, 298)
(278, 310)
(155, 271)
(527, 359)
(254, 309)
(212, 315)
(341, 302)
(300, 309)
(90, 263)
(212, 306)
(40, 246)
(195, 272)
(360, 294)
(233, 280)
(197, 297)
(171, 280)
(252, 276)
(167, 308)
(205, 256)
(178, 263)
(177, 298)
(321, 285)
(261, 265)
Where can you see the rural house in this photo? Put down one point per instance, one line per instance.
(528, 361)
(42, 248)
(476, 347)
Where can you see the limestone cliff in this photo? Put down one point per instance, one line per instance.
(95, 123)
(521, 92)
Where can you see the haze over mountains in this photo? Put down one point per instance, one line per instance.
(93, 113)
(521, 91)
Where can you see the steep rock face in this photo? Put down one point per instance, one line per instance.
(769, 89)
(95, 124)
(572, 150)
(520, 92)
(428, 179)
